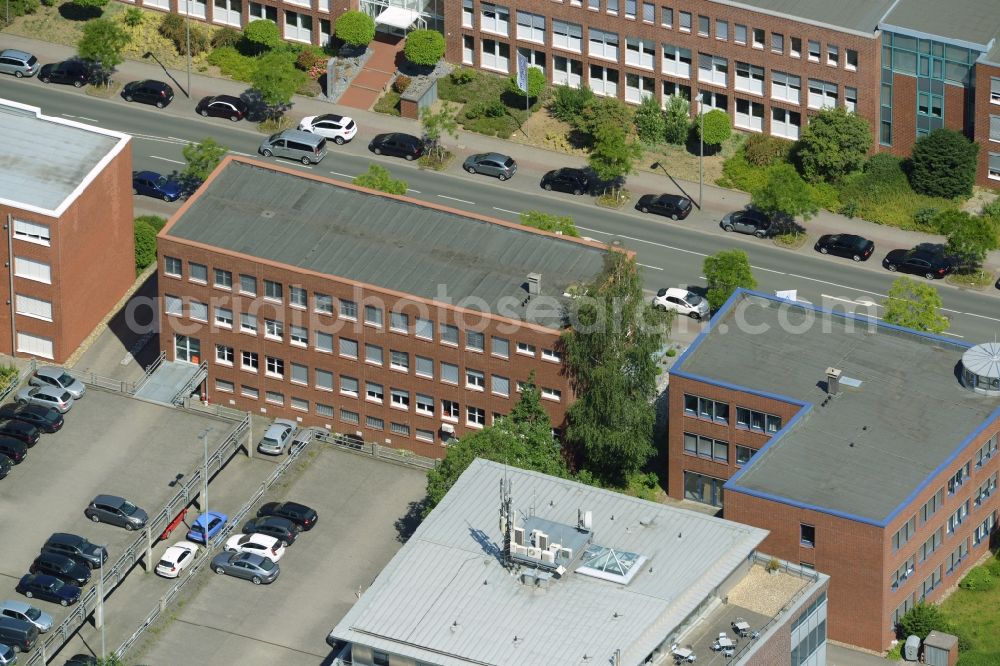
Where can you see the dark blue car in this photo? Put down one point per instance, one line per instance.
(48, 588)
(212, 522)
(152, 184)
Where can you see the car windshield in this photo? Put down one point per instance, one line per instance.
(55, 584)
(684, 204)
(509, 162)
(32, 60)
(33, 613)
(857, 242)
(692, 298)
(66, 379)
(161, 181)
(166, 563)
(267, 564)
(128, 508)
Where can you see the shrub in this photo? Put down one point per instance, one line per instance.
(133, 17)
(833, 144)
(650, 123)
(739, 174)
(849, 209)
(232, 63)
(154, 221)
(424, 47)
(145, 244)
(991, 209)
(226, 36)
(677, 120)
(716, 126)
(921, 620)
(401, 83)
(568, 103)
(826, 196)
(310, 57)
(763, 150)
(172, 27)
(355, 28)
(486, 108)
(261, 35)
(603, 111)
(22, 7)
(462, 75)
(8, 375)
(978, 579)
(944, 164)
(924, 217)
(993, 566)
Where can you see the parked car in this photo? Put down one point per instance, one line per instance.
(255, 568)
(82, 660)
(75, 72)
(210, 523)
(13, 449)
(176, 558)
(48, 588)
(63, 567)
(398, 144)
(573, 181)
(749, 221)
(260, 544)
(682, 302)
(19, 610)
(845, 245)
(222, 106)
(17, 634)
(491, 164)
(277, 436)
(8, 657)
(304, 147)
(18, 63)
(48, 396)
(281, 529)
(152, 184)
(148, 91)
(76, 548)
(673, 206)
(20, 430)
(53, 375)
(6, 464)
(299, 514)
(339, 129)
(46, 419)
(116, 510)
(918, 261)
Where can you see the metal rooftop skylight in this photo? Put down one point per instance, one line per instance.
(618, 566)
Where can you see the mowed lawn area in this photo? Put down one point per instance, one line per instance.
(975, 615)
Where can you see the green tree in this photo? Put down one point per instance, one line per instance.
(521, 439)
(355, 28)
(833, 144)
(725, 272)
(568, 103)
(785, 193)
(277, 79)
(717, 128)
(601, 111)
(970, 237)
(378, 178)
(944, 164)
(261, 35)
(154, 221)
(921, 620)
(424, 47)
(613, 155)
(677, 120)
(102, 42)
(547, 222)
(91, 7)
(436, 124)
(201, 158)
(608, 352)
(145, 244)
(650, 123)
(18, 8)
(536, 83)
(915, 305)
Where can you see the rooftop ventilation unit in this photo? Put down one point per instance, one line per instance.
(981, 368)
(534, 284)
(833, 381)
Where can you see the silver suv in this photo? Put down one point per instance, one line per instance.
(18, 63)
(116, 511)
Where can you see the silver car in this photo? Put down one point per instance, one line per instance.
(116, 511)
(7, 655)
(491, 164)
(18, 63)
(25, 612)
(255, 568)
(277, 437)
(47, 396)
(51, 375)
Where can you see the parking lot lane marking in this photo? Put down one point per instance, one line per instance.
(342, 175)
(655, 268)
(834, 284)
(504, 210)
(973, 314)
(445, 196)
(165, 159)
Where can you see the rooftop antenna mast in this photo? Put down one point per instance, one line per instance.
(506, 520)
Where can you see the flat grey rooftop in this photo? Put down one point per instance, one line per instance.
(866, 450)
(856, 15)
(46, 159)
(446, 599)
(975, 21)
(399, 245)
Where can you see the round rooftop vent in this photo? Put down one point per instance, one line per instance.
(981, 368)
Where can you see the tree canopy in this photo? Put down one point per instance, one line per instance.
(650, 121)
(717, 127)
(536, 83)
(202, 158)
(914, 305)
(355, 28)
(548, 222)
(103, 42)
(438, 123)
(277, 79)
(785, 193)
(677, 120)
(970, 237)
(833, 144)
(378, 178)
(725, 272)
(921, 620)
(944, 164)
(262, 35)
(613, 154)
(424, 47)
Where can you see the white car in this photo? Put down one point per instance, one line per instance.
(682, 302)
(258, 544)
(340, 129)
(176, 558)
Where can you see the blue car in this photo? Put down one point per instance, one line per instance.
(48, 588)
(154, 185)
(211, 522)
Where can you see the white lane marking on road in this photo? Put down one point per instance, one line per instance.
(973, 314)
(834, 284)
(947, 310)
(767, 270)
(160, 139)
(342, 175)
(954, 335)
(157, 157)
(867, 304)
(504, 210)
(236, 152)
(414, 191)
(92, 120)
(655, 268)
(174, 138)
(445, 196)
(647, 242)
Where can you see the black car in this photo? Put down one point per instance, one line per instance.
(76, 548)
(749, 221)
(673, 206)
(573, 181)
(845, 245)
(76, 72)
(149, 91)
(299, 514)
(48, 588)
(44, 418)
(25, 432)
(222, 106)
(281, 529)
(14, 449)
(62, 567)
(6, 464)
(398, 144)
(82, 660)
(917, 261)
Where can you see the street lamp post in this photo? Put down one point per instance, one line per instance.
(187, 32)
(203, 436)
(701, 151)
(100, 593)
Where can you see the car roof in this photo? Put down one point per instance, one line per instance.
(55, 557)
(15, 605)
(204, 518)
(676, 291)
(45, 389)
(236, 101)
(294, 506)
(252, 558)
(15, 53)
(275, 520)
(330, 116)
(277, 429)
(53, 371)
(113, 500)
(500, 157)
(65, 537)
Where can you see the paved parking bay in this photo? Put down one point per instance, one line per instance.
(231, 621)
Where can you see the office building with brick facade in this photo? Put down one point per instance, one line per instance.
(869, 452)
(376, 316)
(66, 204)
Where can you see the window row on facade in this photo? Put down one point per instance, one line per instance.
(716, 450)
(718, 412)
(295, 26)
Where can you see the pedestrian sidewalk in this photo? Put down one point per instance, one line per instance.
(717, 201)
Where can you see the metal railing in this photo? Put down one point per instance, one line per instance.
(400, 456)
(197, 378)
(150, 369)
(112, 384)
(213, 409)
(22, 377)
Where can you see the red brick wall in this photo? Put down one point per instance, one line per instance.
(981, 133)
(904, 115)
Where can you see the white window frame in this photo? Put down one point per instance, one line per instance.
(38, 233)
(30, 306)
(820, 94)
(530, 27)
(832, 55)
(297, 31)
(224, 355)
(607, 83)
(36, 345)
(749, 78)
(676, 61)
(602, 44)
(494, 58)
(640, 52)
(751, 117)
(815, 50)
(786, 87)
(494, 19)
(784, 127)
(567, 36)
(851, 99)
(850, 60)
(30, 269)
(571, 75)
(638, 87)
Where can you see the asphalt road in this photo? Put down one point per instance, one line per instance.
(671, 253)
